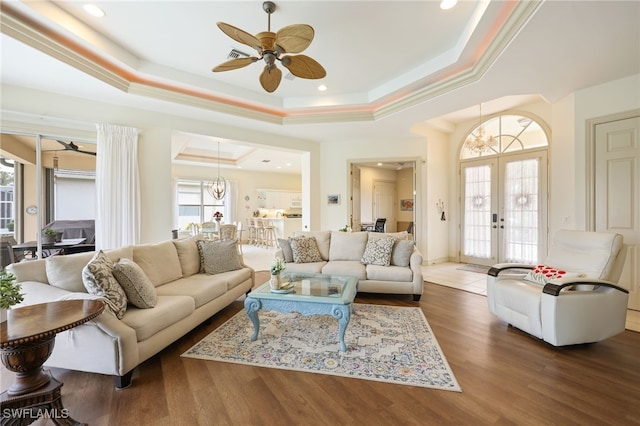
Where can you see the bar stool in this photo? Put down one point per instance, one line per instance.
(259, 225)
(253, 232)
(269, 233)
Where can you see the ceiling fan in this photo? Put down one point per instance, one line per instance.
(70, 146)
(270, 46)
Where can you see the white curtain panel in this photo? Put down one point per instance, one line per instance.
(117, 187)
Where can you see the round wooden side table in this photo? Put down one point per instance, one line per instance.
(27, 339)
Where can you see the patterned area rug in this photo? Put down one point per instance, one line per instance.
(384, 343)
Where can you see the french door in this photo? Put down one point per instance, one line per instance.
(504, 209)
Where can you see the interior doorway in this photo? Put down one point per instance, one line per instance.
(376, 189)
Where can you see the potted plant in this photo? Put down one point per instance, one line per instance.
(278, 266)
(11, 225)
(9, 293)
(217, 216)
(48, 236)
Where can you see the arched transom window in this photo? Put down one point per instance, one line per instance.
(503, 134)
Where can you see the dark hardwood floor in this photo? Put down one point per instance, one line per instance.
(507, 378)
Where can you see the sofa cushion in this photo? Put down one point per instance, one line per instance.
(347, 245)
(305, 249)
(346, 267)
(98, 279)
(389, 273)
(314, 267)
(65, 272)
(202, 288)
(402, 235)
(378, 251)
(188, 254)
(285, 246)
(168, 311)
(139, 290)
(218, 256)
(323, 240)
(159, 262)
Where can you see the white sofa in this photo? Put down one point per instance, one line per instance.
(342, 254)
(108, 345)
(572, 297)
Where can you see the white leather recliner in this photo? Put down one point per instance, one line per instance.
(573, 298)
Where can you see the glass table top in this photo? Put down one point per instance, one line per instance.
(318, 288)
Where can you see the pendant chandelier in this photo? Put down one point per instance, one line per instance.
(218, 186)
(479, 143)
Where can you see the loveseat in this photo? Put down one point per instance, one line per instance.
(383, 262)
(165, 275)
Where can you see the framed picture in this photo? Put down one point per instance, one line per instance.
(406, 205)
(333, 199)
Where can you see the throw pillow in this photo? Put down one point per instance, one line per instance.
(139, 290)
(401, 253)
(378, 251)
(305, 250)
(286, 250)
(98, 279)
(218, 256)
(542, 274)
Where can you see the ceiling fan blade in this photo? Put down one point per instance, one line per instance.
(304, 67)
(294, 38)
(240, 36)
(85, 152)
(234, 64)
(270, 79)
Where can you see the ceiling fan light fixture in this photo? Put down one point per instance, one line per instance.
(272, 47)
(94, 10)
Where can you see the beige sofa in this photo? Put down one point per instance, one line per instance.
(108, 345)
(342, 254)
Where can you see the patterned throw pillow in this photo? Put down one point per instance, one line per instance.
(218, 256)
(305, 250)
(542, 274)
(139, 290)
(98, 279)
(378, 251)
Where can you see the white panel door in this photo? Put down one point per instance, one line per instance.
(384, 203)
(617, 197)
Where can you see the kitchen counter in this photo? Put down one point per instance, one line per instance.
(286, 226)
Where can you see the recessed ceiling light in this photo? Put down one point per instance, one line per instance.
(447, 4)
(379, 164)
(94, 10)
(322, 88)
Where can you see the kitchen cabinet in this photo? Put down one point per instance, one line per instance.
(274, 199)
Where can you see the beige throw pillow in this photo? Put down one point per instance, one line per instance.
(98, 279)
(139, 290)
(218, 256)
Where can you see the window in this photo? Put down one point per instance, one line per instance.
(6, 196)
(512, 133)
(195, 204)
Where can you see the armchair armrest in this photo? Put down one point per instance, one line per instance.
(554, 287)
(496, 269)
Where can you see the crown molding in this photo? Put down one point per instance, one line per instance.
(28, 30)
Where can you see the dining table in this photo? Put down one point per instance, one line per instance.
(66, 246)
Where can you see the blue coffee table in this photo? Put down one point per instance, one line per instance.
(310, 294)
